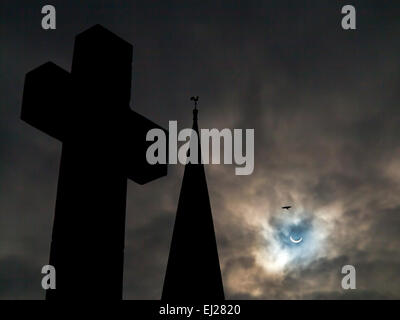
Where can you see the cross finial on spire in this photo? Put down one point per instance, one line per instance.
(195, 111)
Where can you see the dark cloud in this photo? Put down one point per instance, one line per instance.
(146, 257)
(322, 101)
(19, 279)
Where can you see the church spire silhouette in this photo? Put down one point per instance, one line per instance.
(193, 270)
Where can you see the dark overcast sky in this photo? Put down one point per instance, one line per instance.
(324, 106)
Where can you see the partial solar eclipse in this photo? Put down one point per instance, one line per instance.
(296, 241)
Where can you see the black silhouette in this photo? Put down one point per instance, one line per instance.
(193, 270)
(103, 144)
(287, 207)
(195, 99)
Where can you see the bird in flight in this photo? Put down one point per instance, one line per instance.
(286, 207)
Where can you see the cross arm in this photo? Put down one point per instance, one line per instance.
(138, 169)
(47, 92)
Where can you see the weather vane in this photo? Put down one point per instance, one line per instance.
(195, 99)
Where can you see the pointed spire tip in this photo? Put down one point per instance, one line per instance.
(195, 111)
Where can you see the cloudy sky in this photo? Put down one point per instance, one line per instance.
(324, 106)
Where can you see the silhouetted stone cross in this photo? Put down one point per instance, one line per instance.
(104, 143)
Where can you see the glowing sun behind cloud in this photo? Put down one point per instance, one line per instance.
(279, 253)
